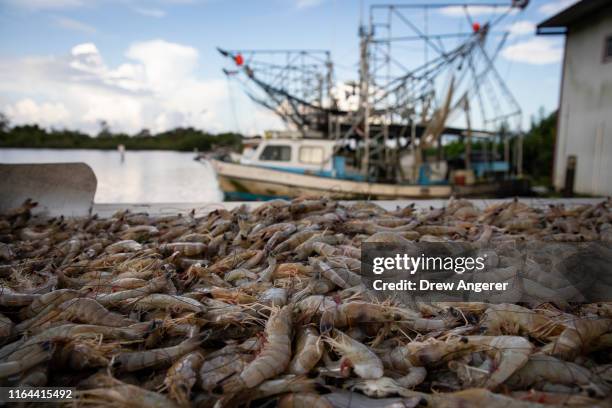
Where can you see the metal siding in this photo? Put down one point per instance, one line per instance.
(586, 109)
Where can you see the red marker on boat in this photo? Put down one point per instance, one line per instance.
(238, 59)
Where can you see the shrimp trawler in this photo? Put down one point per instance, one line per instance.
(408, 128)
(285, 166)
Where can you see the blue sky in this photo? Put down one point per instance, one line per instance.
(152, 64)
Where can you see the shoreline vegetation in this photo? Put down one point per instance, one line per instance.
(179, 139)
(538, 144)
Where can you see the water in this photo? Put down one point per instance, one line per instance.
(143, 177)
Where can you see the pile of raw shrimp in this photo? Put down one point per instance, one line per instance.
(265, 307)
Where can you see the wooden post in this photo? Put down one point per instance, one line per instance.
(468, 144)
(413, 147)
(507, 153)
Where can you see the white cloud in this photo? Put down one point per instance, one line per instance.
(44, 4)
(150, 12)
(74, 25)
(556, 6)
(520, 28)
(85, 49)
(460, 11)
(164, 63)
(155, 88)
(536, 51)
(28, 111)
(301, 4)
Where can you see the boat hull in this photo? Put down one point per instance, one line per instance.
(238, 181)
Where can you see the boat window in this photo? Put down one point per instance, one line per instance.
(276, 153)
(311, 155)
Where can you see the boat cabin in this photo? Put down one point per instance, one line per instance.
(303, 156)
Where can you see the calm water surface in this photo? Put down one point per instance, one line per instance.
(144, 176)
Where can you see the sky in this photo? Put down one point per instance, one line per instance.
(152, 64)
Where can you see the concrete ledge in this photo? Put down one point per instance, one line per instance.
(59, 188)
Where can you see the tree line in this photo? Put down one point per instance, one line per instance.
(182, 139)
(538, 143)
(538, 148)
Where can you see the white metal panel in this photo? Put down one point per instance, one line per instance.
(585, 125)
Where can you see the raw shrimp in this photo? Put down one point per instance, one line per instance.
(6, 252)
(275, 355)
(293, 269)
(542, 369)
(268, 274)
(381, 388)
(276, 297)
(355, 356)
(139, 232)
(112, 299)
(319, 244)
(414, 377)
(138, 360)
(127, 245)
(295, 240)
(308, 351)
(184, 248)
(388, 237)
(509, 352)
(232, 261)
(217, 368)
(558, 399)
(239, 274)
(115, 393)
(307, 206)
(354, 313)
(279, 236)
(49, 301)
(279, 289)
(71, 331)
(182, 376)
(235, 296)
(167, 302)
(36, 355)
(578, 337)
(6, 326)
(126, 283)
(478, 397)
(340, 276)
(507, 318)
(284, 384)
(303, 400)
(81, 354)
(398, 360)
(91, 312)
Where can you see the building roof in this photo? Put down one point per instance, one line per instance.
(559, 23)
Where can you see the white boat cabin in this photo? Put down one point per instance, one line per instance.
(294, 155)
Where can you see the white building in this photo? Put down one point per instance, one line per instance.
(584, 127)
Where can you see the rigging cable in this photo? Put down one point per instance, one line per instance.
(233, 105)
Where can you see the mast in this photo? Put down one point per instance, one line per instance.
(364, 102)
(333, 104)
